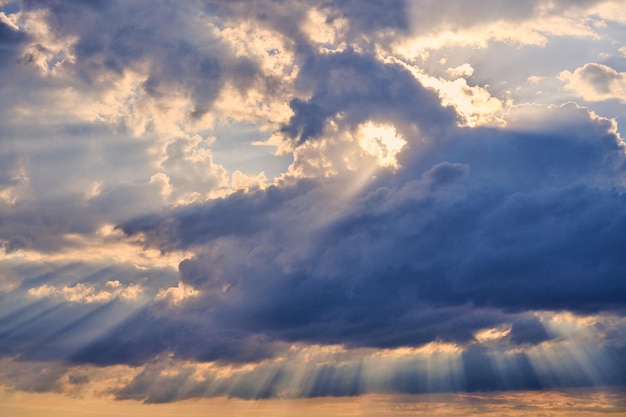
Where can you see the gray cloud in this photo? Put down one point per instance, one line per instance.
(10, 41)
(519, 221)
(478, 368)
(360, 88)
(596, 82)
(116, 37)
(599, 76)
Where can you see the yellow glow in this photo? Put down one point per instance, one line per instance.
(107, 245)
(493, 334)
(381, 141)
(474, 104)
(9, 20)
(87, 294)
(570, 403)
(427, 349)
(320, 29)
(177, 294)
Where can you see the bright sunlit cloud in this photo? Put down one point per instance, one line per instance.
(381, 142)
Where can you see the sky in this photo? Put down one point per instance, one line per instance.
(289, 207)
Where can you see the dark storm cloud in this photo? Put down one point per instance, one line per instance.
(359, 88)
(528, 330)
(478, 368)
(193, 335)
(223, 218)
(482, 221)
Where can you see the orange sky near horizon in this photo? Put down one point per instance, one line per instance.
(571, 403)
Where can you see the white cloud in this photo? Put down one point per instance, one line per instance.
(451, 23)
(474, 104)
(48, 51)
(320, 28)
(88, 294)
(177, 294)
(9, 21)
(595, 82)
(534, 31)
(381, 141)
(464, 70)
(241, 181)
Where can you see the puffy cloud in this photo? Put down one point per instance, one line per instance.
(522, 219)
(464, 70)
(359, 88)
(596, 82)
(474, 105)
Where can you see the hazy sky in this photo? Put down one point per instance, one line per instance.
(345, 203)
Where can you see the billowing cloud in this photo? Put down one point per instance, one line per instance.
(421, 244)
(596, 82)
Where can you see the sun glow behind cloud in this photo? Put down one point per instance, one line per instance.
(381, 142)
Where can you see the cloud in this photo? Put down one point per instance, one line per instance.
(302, 370)
(11, 39)
(446, 24)
(528, 330)
(595, 82)
(359, 88)
(523, 219)
(464, 70)
(81, 293)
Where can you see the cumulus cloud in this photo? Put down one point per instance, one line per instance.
(536, 210)
(359, 88)
(464, 70)
(595, 82)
